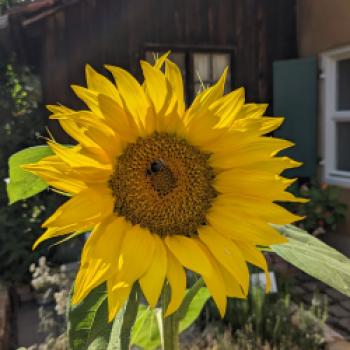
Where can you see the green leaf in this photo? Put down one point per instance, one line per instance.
(145, 332)
(194, 309)
(23, 184)
(315, 258)
(114, 339)
(124, 322)
(88, 327)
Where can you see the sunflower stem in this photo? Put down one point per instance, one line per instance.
(170, 324)
(171, 333)
(171, 329)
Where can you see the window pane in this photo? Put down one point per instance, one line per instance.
(201, 66)
(343, 146)
(220, 62)
(343, 84)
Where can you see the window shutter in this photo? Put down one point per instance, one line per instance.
(295, 98)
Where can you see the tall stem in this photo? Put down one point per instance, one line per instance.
(171, 333)
(170, 325)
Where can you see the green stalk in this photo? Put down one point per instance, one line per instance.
(170, 324)
(171, 333)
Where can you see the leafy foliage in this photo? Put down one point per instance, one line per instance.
(145, 333)
(262, 322)
(88, 328)
(323, 212)
(6, 4)
(23, 184)
(22, 123)
(307, 253)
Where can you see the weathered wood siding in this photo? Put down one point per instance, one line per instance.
(63, 39)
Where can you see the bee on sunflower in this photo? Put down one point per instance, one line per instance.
(165, 188)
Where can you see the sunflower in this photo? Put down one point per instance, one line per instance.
(164, 188)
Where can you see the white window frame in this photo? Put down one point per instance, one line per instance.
(331, 116)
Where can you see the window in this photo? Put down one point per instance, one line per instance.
(199, 68)
(207, 69)
(336, 99)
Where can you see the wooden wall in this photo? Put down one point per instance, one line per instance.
(60, 40)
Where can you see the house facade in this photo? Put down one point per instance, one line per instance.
(58, 37)
(324, 33)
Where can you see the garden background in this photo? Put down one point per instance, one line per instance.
(294, 55)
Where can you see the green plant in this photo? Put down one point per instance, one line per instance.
(323, 212)
(22, 123)
(5, 4)
(264, 322)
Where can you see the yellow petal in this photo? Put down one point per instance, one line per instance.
(136, 254)
(56, 174)
(252, 110)
(59, 109)
(205, 99)
(132, 94)
(77, 160)
(170, 122)
(249, 181)
(174, 76)
(160, 61)
(233, 288)
(98, 131)
(99, 83)
(227, 254)
(118, 293)
(270, 124)
(274, 165)
(116, 117)
(176, 277)
(189, 252)
(201, 132)
(152, 281)
(155, 86)
(111, 144)
(263, 148)
(99, 254)
(257, 126)
(84, 210)
(255, 257)
(215, 282)
(240, 227)
(252, 183)
(194, 255)
(264, 209)
(89, 97)
(228, 106)
(78, 133)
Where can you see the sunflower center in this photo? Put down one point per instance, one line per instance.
(164, 184)
(161, 176)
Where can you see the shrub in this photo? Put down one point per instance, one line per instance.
(263, 322)
(323, 212)
(21, 125)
